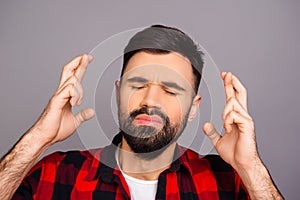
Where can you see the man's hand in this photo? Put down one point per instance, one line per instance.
(238, 144)
(58, 122)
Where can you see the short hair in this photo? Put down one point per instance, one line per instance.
(160, 39)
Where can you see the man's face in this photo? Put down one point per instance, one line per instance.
(154, 99)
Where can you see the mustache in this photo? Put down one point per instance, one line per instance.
(153, 111)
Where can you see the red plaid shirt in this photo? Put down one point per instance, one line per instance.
(80, 175)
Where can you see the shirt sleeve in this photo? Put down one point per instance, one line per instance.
(40, 181)
(228, 181)
(29, 185)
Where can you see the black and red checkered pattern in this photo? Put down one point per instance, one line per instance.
(84, 175)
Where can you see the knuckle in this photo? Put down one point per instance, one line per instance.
(70, 85)
(72, 90)
(72, 80)
(83, 116)
(232, 114)
(80, 117)
(79, 85)
(75, 81)
(243, 89)
(53, 99)
(251, 123)
(65, 67)
(250, 127)
(232, 99)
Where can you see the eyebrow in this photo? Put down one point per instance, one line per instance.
(137, 79)
(173, 85)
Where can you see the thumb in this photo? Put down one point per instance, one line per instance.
(84, 115)
(211, 132)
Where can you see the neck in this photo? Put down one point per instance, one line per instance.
(144, 169)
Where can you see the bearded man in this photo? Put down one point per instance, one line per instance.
(156, 97)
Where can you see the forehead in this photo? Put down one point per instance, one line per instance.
(163, 66)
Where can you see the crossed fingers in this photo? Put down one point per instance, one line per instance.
(235, 111)
(70, 84)
(234, 88)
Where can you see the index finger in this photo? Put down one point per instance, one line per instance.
(234, 88)
(75, 68)
(228, 85)
(69, 70)
(80, 70)
(240, 90)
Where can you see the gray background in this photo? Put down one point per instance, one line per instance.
(257, 40)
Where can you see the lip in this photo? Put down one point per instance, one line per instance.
(150, 120)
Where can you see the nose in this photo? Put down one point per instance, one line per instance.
(151, 97)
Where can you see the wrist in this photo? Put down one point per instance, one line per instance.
(251, 173)
(34, 143)
(258, 181)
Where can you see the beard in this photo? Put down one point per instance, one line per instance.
(147, 142)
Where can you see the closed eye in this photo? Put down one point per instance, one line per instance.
(170, 92)
(137, 87)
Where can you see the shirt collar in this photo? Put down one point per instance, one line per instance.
(104, 164)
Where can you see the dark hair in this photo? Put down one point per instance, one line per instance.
(160, 39)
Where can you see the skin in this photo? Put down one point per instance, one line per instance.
(57, 122)
(157, 69)
(238, 145)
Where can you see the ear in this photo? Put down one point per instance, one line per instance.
(194, 107)
(117, 85)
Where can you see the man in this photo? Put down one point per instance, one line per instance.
(156, 96)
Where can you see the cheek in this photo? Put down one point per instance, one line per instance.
(174, 112)
(133, 102)
(178, 110)
(129, 101)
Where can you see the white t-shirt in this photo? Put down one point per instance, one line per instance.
(139, 189)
